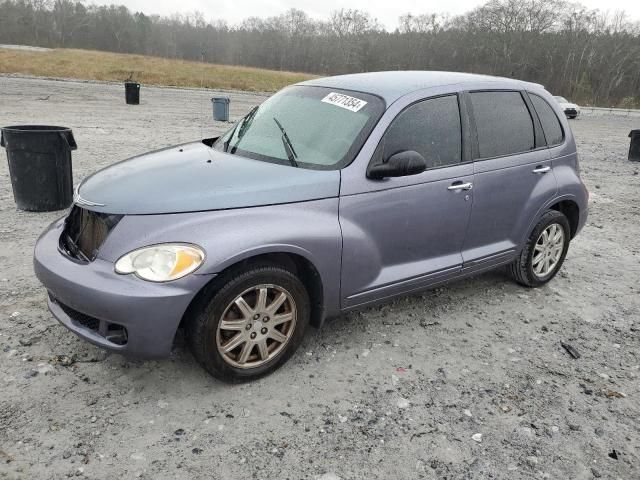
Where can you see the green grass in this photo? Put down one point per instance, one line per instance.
(94, 65)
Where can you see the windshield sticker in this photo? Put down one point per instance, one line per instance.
(344, 101)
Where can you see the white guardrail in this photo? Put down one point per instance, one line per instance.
(626, 112)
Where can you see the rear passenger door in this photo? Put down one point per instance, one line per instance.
(513, 176)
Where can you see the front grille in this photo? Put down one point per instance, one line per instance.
(85, 231)
(112, 332)
(570, 111)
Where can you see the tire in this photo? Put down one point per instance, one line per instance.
(522, 269)
(207, 339)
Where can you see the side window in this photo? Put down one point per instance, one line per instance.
(553, 132)
(431, 128)
(503, 123)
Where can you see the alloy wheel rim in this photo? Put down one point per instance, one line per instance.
(256, 326)
(548, 250)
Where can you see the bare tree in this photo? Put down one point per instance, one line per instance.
(591, 56)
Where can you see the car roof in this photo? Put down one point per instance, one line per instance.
(395, 84)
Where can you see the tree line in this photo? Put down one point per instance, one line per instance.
(589, 56)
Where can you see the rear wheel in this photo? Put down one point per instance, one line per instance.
(545, 251)
(251, 325)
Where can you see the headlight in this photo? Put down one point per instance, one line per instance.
(161, 263)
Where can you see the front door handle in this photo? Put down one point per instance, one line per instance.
(541, 169)
(460, 186)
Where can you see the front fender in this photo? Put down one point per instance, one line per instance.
(309, 229)
(217, 267)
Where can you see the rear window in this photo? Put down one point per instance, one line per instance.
(503, 123)
(553, 132)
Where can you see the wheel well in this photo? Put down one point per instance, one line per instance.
(571, 211)
(297, 264)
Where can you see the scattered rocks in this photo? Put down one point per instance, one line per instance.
(429, 323)
(64, 360)
(5, 457)
(570, 349)
(328, 476)
(614, 394)
(45, 368)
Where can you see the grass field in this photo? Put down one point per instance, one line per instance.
(93, 65)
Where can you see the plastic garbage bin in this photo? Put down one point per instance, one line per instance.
(221, 108)
(634, 146)
(132, 93)
(40, 166)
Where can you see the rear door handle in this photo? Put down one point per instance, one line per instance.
(541, 169)
(460, 186)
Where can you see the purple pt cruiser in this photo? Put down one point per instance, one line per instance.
(334, 194)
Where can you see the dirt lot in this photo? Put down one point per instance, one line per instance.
(467, 381)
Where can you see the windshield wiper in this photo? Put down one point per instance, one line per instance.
(243, 124)
(288, 146)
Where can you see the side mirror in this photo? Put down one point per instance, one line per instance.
(210, 141)
(399, 164)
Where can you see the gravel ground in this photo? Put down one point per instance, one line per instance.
(467, 381)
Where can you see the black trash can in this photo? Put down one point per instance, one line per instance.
(132, 93)
(634, 146)
(40, 166)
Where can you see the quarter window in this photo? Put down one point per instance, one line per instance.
(550, 124)
(431, 128)
(503, 123)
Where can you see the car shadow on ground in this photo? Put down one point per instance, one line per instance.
(447, 302)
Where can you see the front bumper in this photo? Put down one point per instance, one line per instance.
(117, 312)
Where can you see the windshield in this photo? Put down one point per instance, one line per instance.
(308, 127)
(561, 100)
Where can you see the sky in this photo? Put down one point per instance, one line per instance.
(387, 12)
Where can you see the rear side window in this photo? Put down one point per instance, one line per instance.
(431, 128)
(553, 132)
(503, 123)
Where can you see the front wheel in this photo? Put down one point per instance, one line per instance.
(251, 325)
(545, 251)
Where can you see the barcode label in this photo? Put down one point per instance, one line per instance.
(344, 101)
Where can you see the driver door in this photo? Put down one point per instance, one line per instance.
(404, 233)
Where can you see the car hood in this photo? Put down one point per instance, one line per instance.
(194, 177)
(569, 105)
